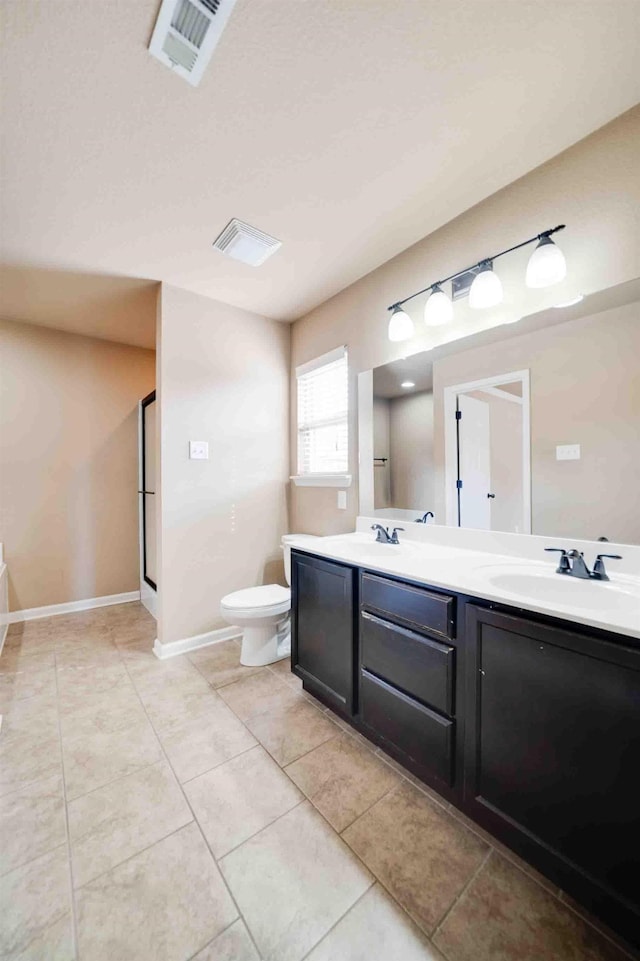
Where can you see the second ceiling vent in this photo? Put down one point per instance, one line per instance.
(186, 34)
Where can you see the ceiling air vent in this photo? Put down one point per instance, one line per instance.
(186, 34)
(246, 243)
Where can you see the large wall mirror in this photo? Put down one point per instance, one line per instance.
(532, 427)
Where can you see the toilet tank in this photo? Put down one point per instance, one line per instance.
(286, 547)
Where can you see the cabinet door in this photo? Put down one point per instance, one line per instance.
(322, 651)
(553, 749)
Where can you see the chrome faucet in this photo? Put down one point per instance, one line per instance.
(579, 568)
(383, 536)
(424, 518)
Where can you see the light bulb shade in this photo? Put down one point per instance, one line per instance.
(400, 325)
(438, 308)
(486, 289)
(546, 265)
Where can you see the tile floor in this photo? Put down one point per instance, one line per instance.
(196, 809)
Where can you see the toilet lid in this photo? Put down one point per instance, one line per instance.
(255, 597)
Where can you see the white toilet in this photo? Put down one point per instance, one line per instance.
(263, 615)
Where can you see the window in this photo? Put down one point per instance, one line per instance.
(323, 432)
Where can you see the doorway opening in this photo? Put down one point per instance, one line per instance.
(488, 453)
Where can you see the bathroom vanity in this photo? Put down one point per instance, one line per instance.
(529, 722)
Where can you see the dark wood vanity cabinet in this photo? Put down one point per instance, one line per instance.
(322, 613)
(528, 724)
(553, 753)
(407, 676)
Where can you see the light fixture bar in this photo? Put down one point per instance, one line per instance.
(480, 263)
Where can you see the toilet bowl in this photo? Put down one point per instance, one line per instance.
(263, 614)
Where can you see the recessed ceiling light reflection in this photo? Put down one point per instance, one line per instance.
(407, 384)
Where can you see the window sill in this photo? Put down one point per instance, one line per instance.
(322, 480)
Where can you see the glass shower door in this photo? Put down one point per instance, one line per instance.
(148, 489)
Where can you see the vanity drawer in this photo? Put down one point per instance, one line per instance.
(424, 738)
(410, 661)
(410, 605)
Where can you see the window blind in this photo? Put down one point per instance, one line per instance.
(323, 406)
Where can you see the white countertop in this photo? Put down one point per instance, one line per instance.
(521, 582)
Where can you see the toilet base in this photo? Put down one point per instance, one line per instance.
(263, 645)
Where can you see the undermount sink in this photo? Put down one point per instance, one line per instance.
(572, 591)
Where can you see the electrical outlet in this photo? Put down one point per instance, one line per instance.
(568, 452)
(342, 500)
(198, 450)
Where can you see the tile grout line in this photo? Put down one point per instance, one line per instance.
(461, 894)
(341, 918)
(74, 919)
(199, 827)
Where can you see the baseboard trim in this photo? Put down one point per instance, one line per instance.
(31, 613)
(172, 648)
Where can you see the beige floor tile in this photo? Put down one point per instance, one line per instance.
(220, 664)
(147, 671)
(171, 705)
(164, 904)
(292, 730)
(239, 798)
(375, 929)
(25, 758)
(121, 819)
(80, 687)
(21, 660)
(418, 851)
(94, 760)
(97, 659)
(32, 822)
(282, 669)
(262, 693)
(23, 684)
(412, 779)
(35, 909)
(342, 779)
(292, 882)
(504, 850)
(108, 712)
(505, 916)
(204, 742)
(34, 715)
(134, 631)
(234, 944)
(73, 642)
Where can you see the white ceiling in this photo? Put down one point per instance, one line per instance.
(348, 129)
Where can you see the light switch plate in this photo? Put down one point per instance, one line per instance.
(342, 500)
(198, 450)
(568, 452)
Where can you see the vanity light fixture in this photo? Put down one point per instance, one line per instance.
(400, 324)
(407, 384)
(546, 266)
(486, 289)
(438, 308)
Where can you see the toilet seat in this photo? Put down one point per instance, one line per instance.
(269, 599)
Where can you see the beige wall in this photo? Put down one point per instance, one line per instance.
(593, 187)
(223, 378)
(585, 390)
(69, 463)
(411, 433)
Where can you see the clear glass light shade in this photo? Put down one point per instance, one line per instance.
(438, 308)
(486, 289)
(546, 265)
(400, 325)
